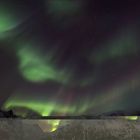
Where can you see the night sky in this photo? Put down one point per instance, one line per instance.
(70, 57)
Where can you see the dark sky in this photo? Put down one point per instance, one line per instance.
(67, 55)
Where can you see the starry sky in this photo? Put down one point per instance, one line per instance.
(69, 57)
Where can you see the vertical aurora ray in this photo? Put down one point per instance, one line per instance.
(98, 104)
(47, 107)
(40, 107)
(63, 78)
(43, 109)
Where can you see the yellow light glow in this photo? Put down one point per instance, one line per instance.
(132, 118)
(48, 125)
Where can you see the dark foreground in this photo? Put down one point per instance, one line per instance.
(103, 129)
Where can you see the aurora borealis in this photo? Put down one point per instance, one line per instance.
(34, 67)
(72, 57)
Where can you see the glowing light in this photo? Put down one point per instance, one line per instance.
(48, 125)
(33, 67)
(54, 124)
(10, 20)
(7, 21)
(42, 108)
(23, 107)
(38, 68)
(132, 118)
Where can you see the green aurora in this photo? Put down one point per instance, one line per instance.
(121, 47)
(38, 68)
(45, 108)
(7, 21)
